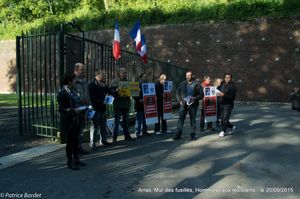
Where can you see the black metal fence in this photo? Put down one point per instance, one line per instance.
(42, 58)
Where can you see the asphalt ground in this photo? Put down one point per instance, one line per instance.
(260, 160)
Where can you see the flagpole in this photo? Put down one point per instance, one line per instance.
(115, 69)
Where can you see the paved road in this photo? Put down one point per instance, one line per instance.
(10, 140)
(261, 160)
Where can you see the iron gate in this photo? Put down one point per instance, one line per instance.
(42, 58)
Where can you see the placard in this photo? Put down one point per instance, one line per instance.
(150, 107)
(168, 86)
(210, 104)
(167, 97)
(128, 89)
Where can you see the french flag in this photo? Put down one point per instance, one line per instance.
(116, 43)
(136, 35)
(143, 50)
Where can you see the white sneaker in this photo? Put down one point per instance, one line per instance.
(157, 133)
(91, 144)
(231, 130)
(169, 131)
(221, 134)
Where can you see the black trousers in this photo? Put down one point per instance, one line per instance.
(202, 118)
(161, 121)
(225, 115)
(72, 143)
(124, 112)
(183, 110)
(70, 128)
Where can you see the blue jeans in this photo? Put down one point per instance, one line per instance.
(140, 120)
(124, 112)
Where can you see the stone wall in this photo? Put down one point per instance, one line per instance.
(7, 66)
(263, 54)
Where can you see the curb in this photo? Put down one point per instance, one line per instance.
(261, 103)
(23, 156)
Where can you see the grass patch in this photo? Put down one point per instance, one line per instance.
(11, 100)
(7, 100)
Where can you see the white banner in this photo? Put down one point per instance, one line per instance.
(150, 107)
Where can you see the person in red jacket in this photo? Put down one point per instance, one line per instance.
(205, 83)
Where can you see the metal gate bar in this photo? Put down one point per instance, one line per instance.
(41, 62)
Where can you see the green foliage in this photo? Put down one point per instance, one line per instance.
(7, 100)
(18, 15)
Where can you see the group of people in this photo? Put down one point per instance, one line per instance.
(77, 94)
(194, 91)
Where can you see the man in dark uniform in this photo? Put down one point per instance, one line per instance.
(98, 91)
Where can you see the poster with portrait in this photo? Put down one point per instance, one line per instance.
(149, 97)
(168, 99)
(128, 89)
(110, 126)
(210, 104)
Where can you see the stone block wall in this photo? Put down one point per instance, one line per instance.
(7, 66)
(263, 54)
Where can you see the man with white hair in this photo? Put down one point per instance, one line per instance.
(82, 89)
(121, 107)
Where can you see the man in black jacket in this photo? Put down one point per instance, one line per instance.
(227, 96)
(159, 88)
(188, 94)
(98, 91)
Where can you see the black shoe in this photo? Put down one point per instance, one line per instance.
(114, 142)
(146, 133)
(94, 148)
(82, 151)
(129, 138)
(73, 166)
(193, 136)
(105, 143)
(177, 137)
(79, 163)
